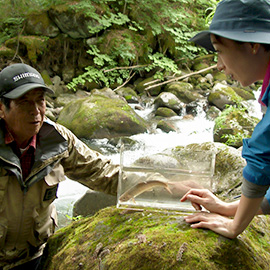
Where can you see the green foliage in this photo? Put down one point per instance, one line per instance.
(9, 28)
(105, 20)
(105, 72)
(167, 23)
(234, 117)
(98, 73)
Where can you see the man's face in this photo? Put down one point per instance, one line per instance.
(25, 116)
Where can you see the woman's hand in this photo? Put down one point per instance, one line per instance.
(246, 210)
(217, 223)
(205, 198)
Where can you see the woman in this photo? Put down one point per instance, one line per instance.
(240, 34)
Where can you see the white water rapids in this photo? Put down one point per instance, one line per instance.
(197, 130)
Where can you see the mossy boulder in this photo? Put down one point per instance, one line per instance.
(184, 91)
(223, 95)
(165, 112)
(169, 100)
(220, 76)
(245, 93)
(120, 239)
(98, 116)
(166, 126)
(129, 94)
(232, 125)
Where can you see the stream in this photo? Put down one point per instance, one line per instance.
(196, 130)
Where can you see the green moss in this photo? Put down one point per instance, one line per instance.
(232, 125)
(151, 240)
(35, 45)
(6, 52)
(101, 115)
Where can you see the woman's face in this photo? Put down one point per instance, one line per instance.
(237, 60)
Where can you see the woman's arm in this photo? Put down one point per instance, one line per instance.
(204, 198)
(246, 210)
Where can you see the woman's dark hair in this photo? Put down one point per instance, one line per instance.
(265, 46)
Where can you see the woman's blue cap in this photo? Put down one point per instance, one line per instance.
(240, 20)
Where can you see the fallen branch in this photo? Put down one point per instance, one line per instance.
(180, 78)
(129, 67)
(18, 45)
(128, 79)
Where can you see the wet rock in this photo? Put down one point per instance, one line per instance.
(212, 113)
(223, 95)
(129, 94)
(91, 202)
(246, 94)
(165, 112)
(169, 100)
(184, 91)
(166, 126)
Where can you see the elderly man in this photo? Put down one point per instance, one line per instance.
(35, 154)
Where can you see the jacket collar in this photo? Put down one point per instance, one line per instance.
(49, 143)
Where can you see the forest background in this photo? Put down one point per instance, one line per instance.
(155, 39)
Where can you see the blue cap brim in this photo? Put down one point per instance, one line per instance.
(203, 38)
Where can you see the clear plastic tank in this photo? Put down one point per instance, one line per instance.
(160, 180)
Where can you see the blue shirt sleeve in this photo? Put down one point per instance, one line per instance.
(256, 150)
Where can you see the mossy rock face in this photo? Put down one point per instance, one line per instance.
(128, 42)
(117, 239)
(6, 52)
(41, 24)
(101, 117)
(74, 22)
(34, 45)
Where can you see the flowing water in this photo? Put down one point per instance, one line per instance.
(197, 130)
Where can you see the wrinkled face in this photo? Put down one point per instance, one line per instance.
(25, 116)
(237, 60)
